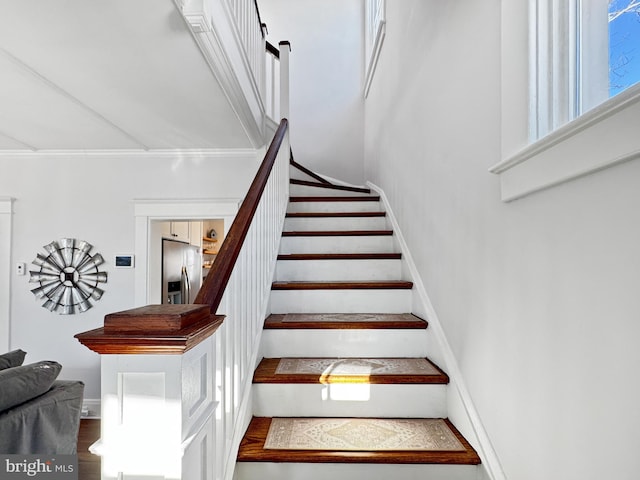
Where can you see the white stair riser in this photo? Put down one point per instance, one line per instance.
(312, 191)
(375, 343)
(338, 244)
(350, 400)
(353, 471)
(341, 301)
(334, 207)
(338, 270)
(335, 223)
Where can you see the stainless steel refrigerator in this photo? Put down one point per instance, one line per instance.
(181, 272)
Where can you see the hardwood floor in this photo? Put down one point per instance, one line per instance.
(88, 463)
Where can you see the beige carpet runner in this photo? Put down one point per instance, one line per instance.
(356, 366)
(361, 434)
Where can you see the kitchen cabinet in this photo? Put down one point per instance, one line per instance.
(177, 230)
(195, 233)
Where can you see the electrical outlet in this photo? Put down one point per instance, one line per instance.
(21, 268)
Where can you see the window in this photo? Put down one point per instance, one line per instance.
(563, 116)
(582, 53)
(624, 45)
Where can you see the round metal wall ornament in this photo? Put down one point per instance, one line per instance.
(68, 276)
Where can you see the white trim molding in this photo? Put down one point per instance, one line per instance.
(601, 138)
(458, 393)
(6, 213)
(91, 408)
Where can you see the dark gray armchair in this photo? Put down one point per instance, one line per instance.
(38, 414)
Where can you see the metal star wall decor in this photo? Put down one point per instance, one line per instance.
(68, 276)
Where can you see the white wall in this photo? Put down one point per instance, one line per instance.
(326, 77)
(538, 297)
(91, 198)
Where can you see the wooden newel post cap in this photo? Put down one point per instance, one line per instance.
(154, 329)
(155, 319)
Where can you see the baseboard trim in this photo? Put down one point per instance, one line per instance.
(91, 408)
(490, 461)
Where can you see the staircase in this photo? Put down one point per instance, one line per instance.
(345, 383)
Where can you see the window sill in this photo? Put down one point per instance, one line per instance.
(601, 138)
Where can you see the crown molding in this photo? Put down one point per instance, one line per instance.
(188, 154)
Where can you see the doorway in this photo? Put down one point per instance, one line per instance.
(151, 217)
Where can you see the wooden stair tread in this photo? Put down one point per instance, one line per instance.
(344, 321)
(334, 214)
(376, 285)
(330, 186)
(351, 198)
(340, 256)
(337, 233)
(252, 450)
(267, 373)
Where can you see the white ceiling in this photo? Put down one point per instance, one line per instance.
(107, 74)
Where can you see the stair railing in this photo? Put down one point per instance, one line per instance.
(176, 379)
(238, 286)
(268, 191)
(246, 17)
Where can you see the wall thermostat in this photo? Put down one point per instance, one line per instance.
(124, 261)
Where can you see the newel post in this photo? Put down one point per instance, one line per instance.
(158, 399)
(285, 49)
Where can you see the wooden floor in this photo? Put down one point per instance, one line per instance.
(88, 463)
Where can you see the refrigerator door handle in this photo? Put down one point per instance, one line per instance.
(187, 285)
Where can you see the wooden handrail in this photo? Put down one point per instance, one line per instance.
(304, 169)
(217, 279)
(263, 26)
(272, 50)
